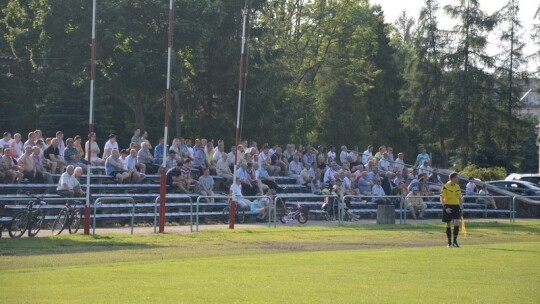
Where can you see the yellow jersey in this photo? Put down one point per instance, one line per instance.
(451, 194)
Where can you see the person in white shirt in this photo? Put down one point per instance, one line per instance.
(330, 174)
(471, 186)
(61, 144)
(131, 167)
(331, 156)
(236, 193)
(94, 151)
(399, 163)
(425, 168)
(110, 145)
(384, 164)
(377, 192)
(5, 142)
(343, 155)
(68, 185)
(16, 146)
(367, 154)
(295, 168)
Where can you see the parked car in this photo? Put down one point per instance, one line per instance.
(533, 177)
(522, 188)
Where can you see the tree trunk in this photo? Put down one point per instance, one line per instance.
(444, 156)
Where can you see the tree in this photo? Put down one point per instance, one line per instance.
(467, 58)
(423, 93)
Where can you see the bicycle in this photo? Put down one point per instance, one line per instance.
(29, 219)
(240, 215)
(68, 217)
(292, 215)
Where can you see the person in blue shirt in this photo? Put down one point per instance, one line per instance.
(158, 151)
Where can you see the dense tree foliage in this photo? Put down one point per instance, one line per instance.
(319, 71)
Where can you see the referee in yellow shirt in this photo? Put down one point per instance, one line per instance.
(452, 201)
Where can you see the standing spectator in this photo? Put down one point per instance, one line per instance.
(115, 168)
(94, 151)
(367, 155)
(136, 138)
(343, 155)
(399, 163)
(159, 151)
(471, 186)
(110, 145)
(209, 154)
(52, 153)
(331, 156)
(68, 185)
(28, 165)
(422, 157)
(144, 137)
(206, 185)
(6, 140)
(16, 146)
(379, 155)
(61, 144)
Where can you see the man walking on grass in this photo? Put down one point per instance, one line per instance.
(452, 201)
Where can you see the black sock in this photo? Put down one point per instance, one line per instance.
(449, 234)
(456, 232)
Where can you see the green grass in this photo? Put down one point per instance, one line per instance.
(498, 263)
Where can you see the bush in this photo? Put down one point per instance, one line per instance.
(485, 174)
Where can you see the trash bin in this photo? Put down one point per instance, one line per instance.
(386, 214)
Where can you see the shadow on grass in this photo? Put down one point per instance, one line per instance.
(67, 245)
(527, 227)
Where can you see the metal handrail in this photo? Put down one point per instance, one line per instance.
(173, 196)
(111, 199)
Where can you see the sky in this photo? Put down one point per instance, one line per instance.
(393, 8)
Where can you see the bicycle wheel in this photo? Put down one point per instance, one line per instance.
(301, 218)
(60, 222)
(18, 225)
(74, 221)
(38, 217)
(283, 218)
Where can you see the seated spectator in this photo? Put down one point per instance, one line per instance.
(206, 185)
(471, 187)
(110, 145)
(31, 140)
(277, 159)
(185, 178)
(416, 204)
(130, 165)
(367, 155)
(61, 144)
(330, 174)
(364, 184)
(223, 169)
(384, 163)
(266, 206)
(377, 192)
(68, 185)
(72, 156)
(173, 176)
(307, 174)
(115, 168)
(261, 174)
(12, 172)
(159, 151)
(379, 155)
(199, 157)
(425, 168)
(249, 187)
(487, 199)
(144, 157)
(77, 145)
(295, 169)
(28, 165)
(171, 160)
(317, 184)
(257, 183)
(343, 155)
(39, 161)
(16, 147)
(387, 183)
(238, 197)
(265, 161)
(94, 151)
(52, 153)
(144, 137)
(136, 138)
(209, 154)
(347, 185)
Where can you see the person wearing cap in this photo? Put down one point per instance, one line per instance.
(416, 204)
(110, 145)
(28, 165)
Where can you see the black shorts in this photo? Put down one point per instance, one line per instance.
(454, 215)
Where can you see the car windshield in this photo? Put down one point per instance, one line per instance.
(532, 179)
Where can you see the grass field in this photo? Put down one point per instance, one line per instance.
(498, 263)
